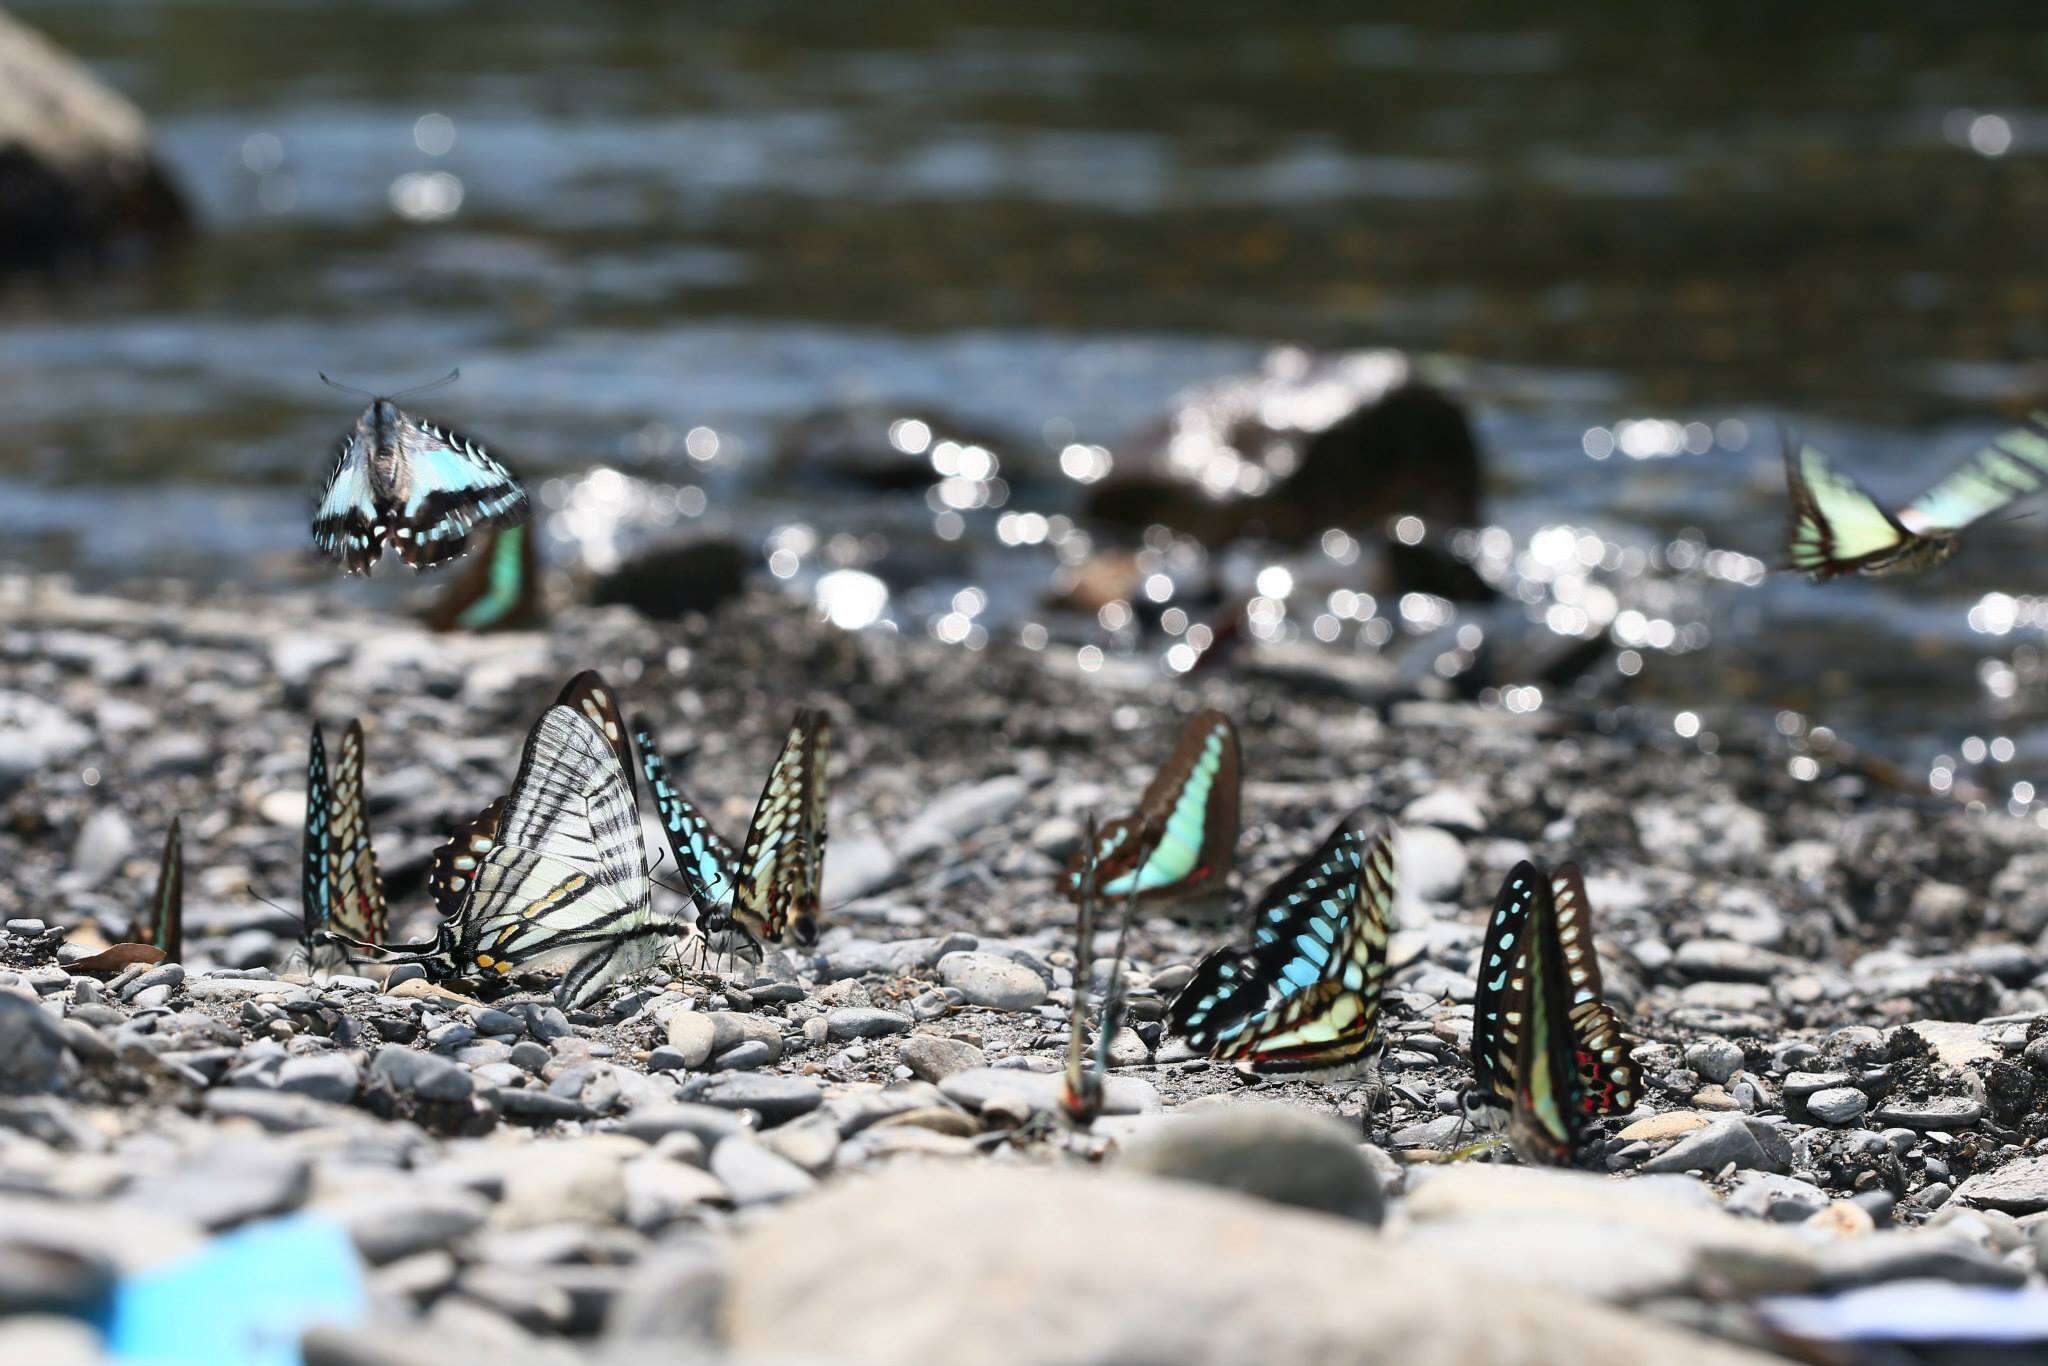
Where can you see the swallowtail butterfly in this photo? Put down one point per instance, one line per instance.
(1081, 1086)
(340, 891)
(1183, 836)
(1532, 907)
(561, 881)
(158, 934)
(709, 866)
(1837, 528)
(499, 590)
(422, 488)
(1304, 997)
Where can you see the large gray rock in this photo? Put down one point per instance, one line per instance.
(973, 1265)
(2017, 1187)
(1749, 1143)
(78, 176)
(1276, 1152)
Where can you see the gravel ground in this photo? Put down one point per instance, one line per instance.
(1839, 993)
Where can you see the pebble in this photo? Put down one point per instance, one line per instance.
(426, 1075)
(1036, 1092)
(1837, 1105)
(987, 979)
(1936, 1112)
(776, 1099)
(32, 1057)
(753, 1175)
(332, 1078)
(1748, 1143)
(103, 845)
(864, 1022)
(1274, 1152)
(2019, 1187)
(1715, 1059)
(744, 1057)
(693, 1036)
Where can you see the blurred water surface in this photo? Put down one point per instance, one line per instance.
(656, 237)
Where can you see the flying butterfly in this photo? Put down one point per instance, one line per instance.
(420, 487)
(562, 880)
(1182, 838)
(1530, 905)
(158, 933)
(499, 590)
(1837, 528)
(1305, 996)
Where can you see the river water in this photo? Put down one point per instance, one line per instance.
(663, 242)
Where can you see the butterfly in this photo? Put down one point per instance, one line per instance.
(339, 887)
(1305, 996)
(1537, 912)
(1837, 528)
(158, 934)
(421, 487)
(499, 591)
(1183, 836)
(1080, 1094)
(769, 890)
(557, 877)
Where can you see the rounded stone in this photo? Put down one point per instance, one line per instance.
(1275, 1152)
(987, 979)
(1837, 1105)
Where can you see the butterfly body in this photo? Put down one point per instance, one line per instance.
(416, 486)
(1837, 528)
(1182, 839)
(1304, 997)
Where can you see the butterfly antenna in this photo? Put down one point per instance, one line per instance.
(430, 385)
(349, 389)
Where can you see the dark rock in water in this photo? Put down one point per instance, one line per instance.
(1288, 1156)
(875, 449)
(31, 1048)
(78, 176)
(672, 581)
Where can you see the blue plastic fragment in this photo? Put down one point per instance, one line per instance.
(243, 1300)
(1915, 1311)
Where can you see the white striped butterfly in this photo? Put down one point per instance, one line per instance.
(562, 881)
(1838, 528)
(500, 590)
(1534, 905)
(422, 488)
(340, 890)
(1182, 838)
(1304, 997)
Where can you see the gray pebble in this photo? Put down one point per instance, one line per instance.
(331, 1077)
(987, 979)
(775, 1099)
(753, 1175)
(864, 1022)
(1837, 1105)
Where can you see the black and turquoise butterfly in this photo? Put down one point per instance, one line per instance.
(340, 890)
(1182, 838)
(1534, 906)
(1305, 996)
(420, 487)
(562, 880)
(769, 889)
(162, 926)
(1837, 528)
(500, 589)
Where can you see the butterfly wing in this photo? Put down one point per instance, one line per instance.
(2014, 465)
(587, 693)
(347, 524)
(449, 486)
(1544, 1124)
(782, 862)
(359, 909)
(1836, 527)
(1503, 964)
(1609, 1081)
(1183, 836)
(317, 850)
(163, 925)
(1305, 996)
(709, 867)
(455, 863)
(500, 591)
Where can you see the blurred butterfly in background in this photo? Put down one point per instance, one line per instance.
(158, 932)
(1304, 997)
(1182, 838)
(409, 483)
(1578, 1051)
(1837, 528)
(555, 877)
(499, 590)
(769, 890)
(339, 888)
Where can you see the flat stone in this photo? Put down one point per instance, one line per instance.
(775, 1099)
(1800, 1085)
(755, 1175)
(1037, 1092)
(2019, 1187)
(1748, 1143)
(659, 1192)
(410, 1218)
(1957, 1043)
(231, 1183)
(426, 1075)
(1935, 1112)
(1670, 1124)
(744, 1057)
(707, 1123)
(1782, 1199)
(990, 980)
(864, 1022)
(332, 1077)
(281, 1113)
(1914, 1254)
(933, 1057)
(1274, 1152)
(1838, 1105)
